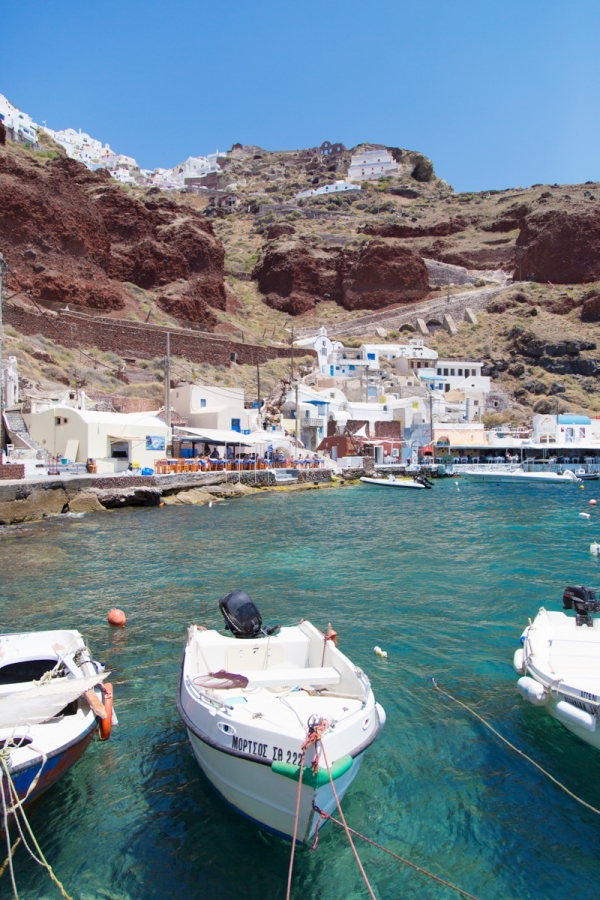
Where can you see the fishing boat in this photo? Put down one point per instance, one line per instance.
(517, 475)
(391, 481)
(587, 476)
(51, 704)
(559, 663)
(268, 707)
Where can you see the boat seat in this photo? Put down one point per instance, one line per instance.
(292, 677)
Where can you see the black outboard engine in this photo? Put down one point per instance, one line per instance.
(583, 601)
(242, 617)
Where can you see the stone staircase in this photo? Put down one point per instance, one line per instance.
(16, 427)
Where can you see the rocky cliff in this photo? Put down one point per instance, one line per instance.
(75, 236)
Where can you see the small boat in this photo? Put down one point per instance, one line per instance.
(268, 706)
(587, 476)
(559, 663)
(50, 706)
(391, 481)
(517, 475)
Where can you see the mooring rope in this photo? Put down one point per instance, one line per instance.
(291, 866)
(516, 749)
(407, 862)
(343, 823)
(16, 809)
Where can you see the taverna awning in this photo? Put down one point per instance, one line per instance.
(214, 435)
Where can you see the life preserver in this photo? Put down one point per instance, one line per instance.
(106, 724)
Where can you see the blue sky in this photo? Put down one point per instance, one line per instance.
(498, 93)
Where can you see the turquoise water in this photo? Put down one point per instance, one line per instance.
(444, 580)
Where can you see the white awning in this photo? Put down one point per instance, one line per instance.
(214, 435)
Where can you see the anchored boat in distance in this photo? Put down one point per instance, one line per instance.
(269, 707)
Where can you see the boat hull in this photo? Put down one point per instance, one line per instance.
(384, 482)
(57, 764)
(514, 478)
(265, 797)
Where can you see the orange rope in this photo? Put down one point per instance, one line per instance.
(356, 856)
(407, 862)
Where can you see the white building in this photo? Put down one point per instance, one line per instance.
(371, 165)
(214, 407)
(193, 167)
(113, 440)
(23, 126)
(338, 188)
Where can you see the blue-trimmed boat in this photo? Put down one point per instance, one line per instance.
(51, 703)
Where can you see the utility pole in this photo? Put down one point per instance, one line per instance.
(431, 418)
(258, 389)
(168, 383)
(297, 424)
(292, 374)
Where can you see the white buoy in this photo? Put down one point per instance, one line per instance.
(210, 504)
(584, 516)
(379, 652)
(595, 548)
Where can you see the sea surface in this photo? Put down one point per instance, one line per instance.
(444, 580)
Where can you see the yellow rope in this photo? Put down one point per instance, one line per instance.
(516, 749)
(17, 808)
(12, 853)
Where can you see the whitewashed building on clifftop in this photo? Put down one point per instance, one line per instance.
(371, 165)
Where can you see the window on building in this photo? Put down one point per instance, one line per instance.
(370, 356)
(475, 402)
(202, 403)
(451, 371)
(460, 371)
(439, 371)
(236, 425)
(445, 371)
(60, 420)
(582, 432)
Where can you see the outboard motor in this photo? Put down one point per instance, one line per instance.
(583, 601)
(242, 617)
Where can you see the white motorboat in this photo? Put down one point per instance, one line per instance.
(250, 702)
(51, 704)
(559, 662)
(393, 482)
(517, 475)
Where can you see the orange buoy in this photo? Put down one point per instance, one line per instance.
(117, 618)
(106, 723)
(592, 502)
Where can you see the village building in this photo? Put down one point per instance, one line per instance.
(20, 126)
(339, 187)
(204, 406)
(371, 165)
(112, 440)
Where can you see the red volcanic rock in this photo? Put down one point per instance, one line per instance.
(195, 240)
(561, 246)
(72, 235)
(296, 275)
(399, 230)
(383, 273)
(58, 287)
(279, 230)
(590, 311)
(183, 302)
(148, 264)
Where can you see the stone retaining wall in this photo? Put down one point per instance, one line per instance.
(138, 339)
(13, 470)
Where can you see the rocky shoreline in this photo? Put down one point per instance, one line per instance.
(22, 502)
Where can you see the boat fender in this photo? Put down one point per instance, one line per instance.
(519, 661)
(381, 713)
(532, 690)
(106, 724)
(566, 712)
(584, 516)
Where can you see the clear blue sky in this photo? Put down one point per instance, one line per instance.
(499, 93)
